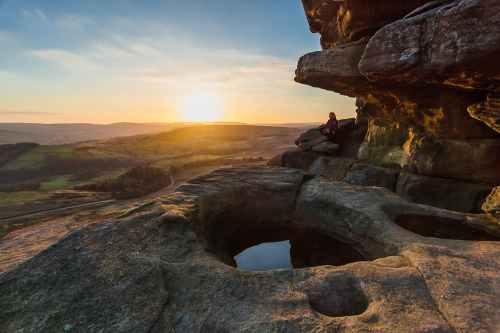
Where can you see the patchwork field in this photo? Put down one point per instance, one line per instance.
(56, 169)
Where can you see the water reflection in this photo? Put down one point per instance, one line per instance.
(284, 247)
(264, 257)
(442, 227)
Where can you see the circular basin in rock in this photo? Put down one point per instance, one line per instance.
(163, 267)
(442, 227)
(275, 247)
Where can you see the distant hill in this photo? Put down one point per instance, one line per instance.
(69, 133)
(51, 134)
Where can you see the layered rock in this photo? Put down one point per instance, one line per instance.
(492, 205)
(340, 22)
(488, 111)
(460, 196)
(418, 76)
(350, 134)
(163, 267)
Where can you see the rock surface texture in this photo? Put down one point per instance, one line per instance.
(163, 267)
(461, 196)
(428, 73)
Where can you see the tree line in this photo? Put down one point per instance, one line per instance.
(136, 182)
(10, 151)
(80, 168)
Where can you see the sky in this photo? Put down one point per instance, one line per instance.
(95, 61)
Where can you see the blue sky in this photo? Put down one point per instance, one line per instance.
(110, 61)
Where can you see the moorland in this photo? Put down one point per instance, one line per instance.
(40, 178)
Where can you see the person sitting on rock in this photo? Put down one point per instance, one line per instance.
(331, 126)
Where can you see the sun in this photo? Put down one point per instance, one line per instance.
(201, 106)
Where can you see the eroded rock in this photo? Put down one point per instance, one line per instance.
(492, 204)
(340, 22)
(334, 69)
(161, 267)
(488, 111)
(298, 159)
(326, 148)
(443, 193)
(370, 175)
(333, 168)
(306, 141)
(417, 77)
(457, 43)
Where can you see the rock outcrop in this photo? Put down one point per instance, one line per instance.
(421, 72)
(461, 196)
(343, 21)
(491, 205)
(163, 267)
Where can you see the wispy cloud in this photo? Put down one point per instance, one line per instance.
(30, 113)
(64, 57)
(147, 74)
(40, 14)
(75, 22)
(109, 51)
(34, 13)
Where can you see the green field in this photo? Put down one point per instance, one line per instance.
(8, 197)
(178, 148)
(36, 156)
(57, 183)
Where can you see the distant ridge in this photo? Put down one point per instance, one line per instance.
(76, 132)
(50, 134)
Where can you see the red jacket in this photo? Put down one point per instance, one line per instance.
(332, 125)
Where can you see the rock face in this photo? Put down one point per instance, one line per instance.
(326, 147)
(343, 21)
(163, 267)
(492, 204)
(488, 111)
(428, 77)
(449, 194)
(350, 134)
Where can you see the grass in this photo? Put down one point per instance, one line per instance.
(57, 185)
(177, 147)
(15, 253)
(166, 163)
(27, 160)
(35, 157)
(10, 197)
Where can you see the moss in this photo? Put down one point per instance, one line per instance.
(390, 165)
(392, 157)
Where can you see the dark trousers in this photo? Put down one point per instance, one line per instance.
(330, 136)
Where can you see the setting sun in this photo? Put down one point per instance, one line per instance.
(201, 106)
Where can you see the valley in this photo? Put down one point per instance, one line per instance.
(45, 177)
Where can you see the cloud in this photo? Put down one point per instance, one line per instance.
(40, 14)
(6, 37)
(34, 13)
(30, 113)
(105, 51)
(146, 74)
(64, 57)
(75, 22)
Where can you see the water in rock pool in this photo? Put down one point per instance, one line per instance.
(441, 227)
(284, 247)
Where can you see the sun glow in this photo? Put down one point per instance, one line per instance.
(201, 106)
